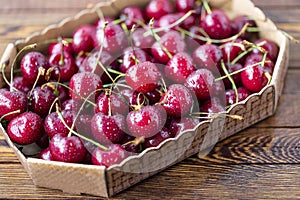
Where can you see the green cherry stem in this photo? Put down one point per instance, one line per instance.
(10, 113)
(231, 80)
(206, 6)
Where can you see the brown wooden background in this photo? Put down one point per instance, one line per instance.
(260, 162)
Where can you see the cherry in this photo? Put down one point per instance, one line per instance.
(130, 144)
(41, 100)
(21, 84)
(132, 15)
(84, 84)
(172, 42)
(25, 128)
(230, 50)
(180, 67)
(54, 125)
(43, 141)
(11, 102)
(177, 101)
(110, 104)
(101, 22)
(235, 77)
(83, 38)
(169, 19)
(143, 77)
(254, 78)
(133, 98)
(61, 92)
(70, 104)
(91, 64)
(239, 22)
(131, 56)
(58, 47)
(178, 125)
(269, 46)
(108, 129)
(243, 93)
(212, 106)
(201, 82)
(46, 155)
(191, 39)
(153, 96)
(208, 56)
(184, 5)
(83, 125)
(146, 121)
(30, 65)
(114, 155)
(158, 8)
(140, 41)
(216, 24)
(67, 149)
(112, 38)
(158, 138)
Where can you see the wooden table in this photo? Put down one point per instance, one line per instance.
(260, 162)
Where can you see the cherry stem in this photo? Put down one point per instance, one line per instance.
(269, 77)
(164, 85)
(10, 113)
(125, 29)
(231, 80)
(118, 21)
(52, 105)
(215, 115)
(132, 46)
(136, 141)
(206, 6)
(77, 134)
(40, 73)
(101, 47)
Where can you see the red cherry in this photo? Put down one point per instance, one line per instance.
(112, 103)
(216, 24)
(132, 15)
(184, 5)
(67, 149)
(239, 22)
(158, 8)
(46, 155)
(130, 56)
(83, 38)
(83, 125)
(208, 56)
(269, 46)
(235, 77)
(140, 41)
(178, 125)
(192, 41)
(212, 106)
(21, 84)
(153, 96)
(158, 138)
(133, 98)
(230, 50)
(243, 93)
(57, 47)
(25, 129)
(114, 155)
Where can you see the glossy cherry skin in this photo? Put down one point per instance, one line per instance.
(21, 84)
(243, 93)
(142, 42)
(180, 67)
(111, 104)
(108, 129)
(131, 57)
(201, 82)
(41, 100)
(58, 47)
(212, 106)
(143, 77)
(30, 65)
(114, 155)
(83, 125)
(158, 138)
(231, 50)
(208, 56)
(132, 98)
(26, 128)
(154, 95)
(53, 124)
(177, 101)
(84, 85)
(132, 15)
(178, 125)
(269, 46)
(158, 8)
(10, 102)
(67, 149)
(192, 40)
(146, 121)
(90, 63)
(239, 22)
(46, 155)
(235, 77)
(83, 38)
(172, 41)
(63, 71)
(167, 20)
(254, 78)
(216, 24)
(43, 141)
(184, 5)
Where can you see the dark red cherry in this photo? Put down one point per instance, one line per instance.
(132, 98)
(43, 141)
(212, 106)
(235, 77)
(143, 77)
(57, 47)
(180, 67)
(70, 104)
(101, 22)
(172, 42)
(177, 101)
(111, 104)
(208, 56)
(67, 149)
(130, 145)
(158, 138)
(83, 38)
(65, 70)
(216, 24)
(21, 84)
(41, 100)
(83, 125)
(53, 124)
(108, 129)
(154, 95)
(201, 82)
(10, 102)
(231, 50)
(46, 155)
(132, 15)
(169, 19)
(25, 128)
(178, 125)
(30, 65)
(239, 22)
(184, 5)
(91, 62)
(269, 46)
(114, 155)
(192, 39)
(243, 93)
(84, 85)
(158, 8)
(146, 121)
(112, 38)
(131, 57)
(140, 41)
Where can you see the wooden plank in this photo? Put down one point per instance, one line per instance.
(277, 3)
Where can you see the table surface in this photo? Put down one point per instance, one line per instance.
(260, 162)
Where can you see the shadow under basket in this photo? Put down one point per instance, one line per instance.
(101, 181)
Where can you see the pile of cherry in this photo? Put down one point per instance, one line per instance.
(122, 85)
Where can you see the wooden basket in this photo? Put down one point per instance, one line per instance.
(101, 181)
